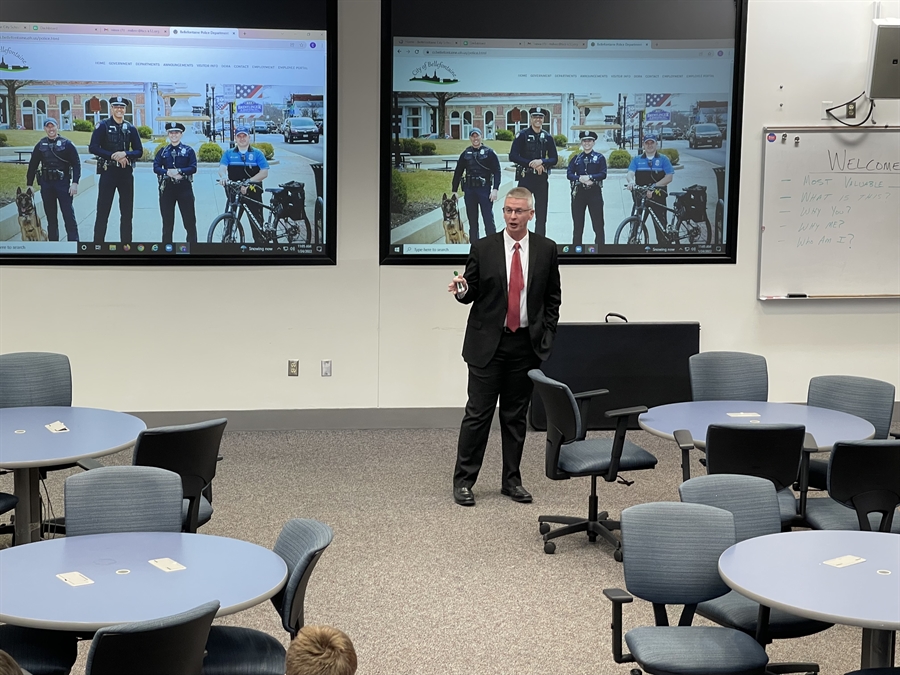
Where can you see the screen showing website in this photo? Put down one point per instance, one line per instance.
(624, 143)
(146, 142)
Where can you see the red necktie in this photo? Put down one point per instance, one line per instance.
(516, 284)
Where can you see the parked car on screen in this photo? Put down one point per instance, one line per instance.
(260, 127)
(704, 134)
(302, 128)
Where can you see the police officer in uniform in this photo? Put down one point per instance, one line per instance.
(243, 162)
(117, 145)
(482, 168)
(58, 161)
(586, 172)
(652, 171)
(175, 166)
(533, 152)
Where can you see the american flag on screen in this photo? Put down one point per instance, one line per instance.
(248, 91)
(658, 100)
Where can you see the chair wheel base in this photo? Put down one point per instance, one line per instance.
(549, 547)
(617, 555)
(544, 528)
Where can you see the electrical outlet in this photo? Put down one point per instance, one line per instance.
(851, 111)
(293, 367)
(326, 368)
(825, 106)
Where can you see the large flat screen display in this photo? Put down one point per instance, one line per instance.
(193, 132)
(621, 116)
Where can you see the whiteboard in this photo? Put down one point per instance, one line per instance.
(830, 224)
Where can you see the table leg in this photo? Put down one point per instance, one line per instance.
(878, 648)
(28, 510)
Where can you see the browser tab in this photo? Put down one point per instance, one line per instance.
(203, 33)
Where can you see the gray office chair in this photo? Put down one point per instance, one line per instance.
(191, 451)
(173, 645)
(863, 488)
(671, 557)
(753, 503)
(236, 651)
(123, 499)
(876, 671)
(40, 652)
(729, 376)
(568, 454)
(873, 400)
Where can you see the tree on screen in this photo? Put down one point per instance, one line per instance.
(439, 106)
(12, 86)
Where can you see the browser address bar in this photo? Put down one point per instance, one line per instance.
(454, 52)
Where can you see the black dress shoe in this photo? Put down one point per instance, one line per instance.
(517, 493)
(463, 496)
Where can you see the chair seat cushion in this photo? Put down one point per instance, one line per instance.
(695, 650)
(824, 513)
(232, 650)
(736, 611)
(787, 505)
(592, 456)
(204, 513)
(40, 652)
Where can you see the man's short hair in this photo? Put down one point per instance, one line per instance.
(320, 650)
(8, 665)
(521, 193)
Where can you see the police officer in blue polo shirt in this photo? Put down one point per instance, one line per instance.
(117, 145)
(245, 163)
(533, 151)
(652, 171)
(58, 161)
(175, 166)
(482, 168)
(586, 172)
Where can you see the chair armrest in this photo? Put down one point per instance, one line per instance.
(686, 444)
(618, 597)
(219, 458)
(584, 407)
(590, 394)
(88, 463)
(809, 443)
(626, 412)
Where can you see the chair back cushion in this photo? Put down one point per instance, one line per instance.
(190, 450)
(751, 500)
(671, 551)
(174, 645)
(770, 451)
(729, 376)
(865, 475)
(123, 499)
(873, 400)
(559, 402)
(35, 379)
(300, 543)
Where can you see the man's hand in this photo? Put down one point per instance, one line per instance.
(118, 156)
(73, 189)
(173, 173)
(452, 286)
(243, 189)
(585, 179)
(223, 180)
(123, 162)
(493, 196)
(535, 163)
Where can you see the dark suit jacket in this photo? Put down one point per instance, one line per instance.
(486, 277)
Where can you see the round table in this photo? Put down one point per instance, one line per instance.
(126, 586)
(787, 571)
(826, 426)
(26, 445)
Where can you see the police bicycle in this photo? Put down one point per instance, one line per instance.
(688, 226)
(286, 222)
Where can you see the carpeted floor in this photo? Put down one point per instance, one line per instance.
(426, 587)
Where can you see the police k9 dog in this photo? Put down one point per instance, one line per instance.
(29, 220)
(453, 229)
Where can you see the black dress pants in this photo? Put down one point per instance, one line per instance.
(111, 180)
(181, 193)
(506, 377)
(540, 188)
(591, 199)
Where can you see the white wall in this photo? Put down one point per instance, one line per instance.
(218, 338)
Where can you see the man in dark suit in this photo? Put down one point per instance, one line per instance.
(512, 281)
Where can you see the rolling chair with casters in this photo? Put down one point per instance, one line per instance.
(873, 400)
(40, 652)
(236, 651)
(729, 376)
(863, 488)
(753, 503)
(191, 451)
(569, 454)
(671, 557)
(174, 645)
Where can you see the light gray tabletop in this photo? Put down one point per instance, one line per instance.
(787, 571)
(26, 445)
(826, 426)
(126, 586)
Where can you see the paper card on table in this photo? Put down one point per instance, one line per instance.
(743, 414)
(167, 564)
(845, 561)
(57, 427)
(74, 578)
